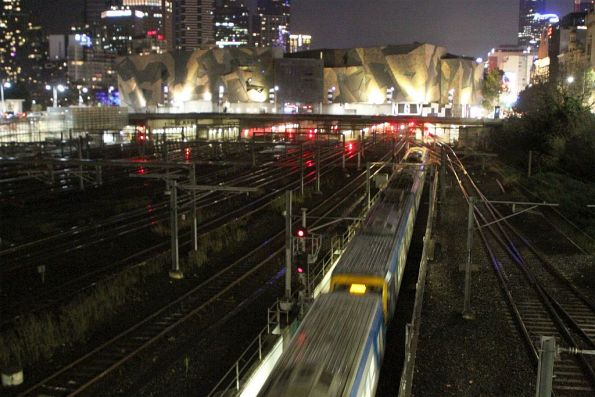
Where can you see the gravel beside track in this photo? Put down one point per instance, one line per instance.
(457, 357)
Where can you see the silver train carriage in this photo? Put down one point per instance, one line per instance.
(374, 261)
(336, 351)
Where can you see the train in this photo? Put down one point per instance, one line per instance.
(338, 348)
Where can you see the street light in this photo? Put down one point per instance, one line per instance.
(330, 95)
(570, 79)
(276, 90)
(5, 84)
(221, 92)
(273, 96)
(55, 89)
(389, 94)
(82, 90)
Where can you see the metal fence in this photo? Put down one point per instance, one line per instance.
(235, 378)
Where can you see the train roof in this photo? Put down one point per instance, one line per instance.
(367, 254)
(324, 354)
(416, 155)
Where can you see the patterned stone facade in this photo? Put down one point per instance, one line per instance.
(168, 79)
(415, 73)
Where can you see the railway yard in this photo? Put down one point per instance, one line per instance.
(159, 267)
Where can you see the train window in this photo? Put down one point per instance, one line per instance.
(326, 378)
(284, 378)
(375, 289)
(341, 287)
(414, 157)
(306, 373)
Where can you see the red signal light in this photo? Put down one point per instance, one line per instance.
(187, 153)
(301, 233)
(300, 270)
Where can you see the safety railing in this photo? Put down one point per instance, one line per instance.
(412, 330)
(235, 377)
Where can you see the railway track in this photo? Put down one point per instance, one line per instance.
(237, 281)
(30, 254)
(542, 301)
(48, 297)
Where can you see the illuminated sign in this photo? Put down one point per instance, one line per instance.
(122, 14)
(116, 13)
(83, 39)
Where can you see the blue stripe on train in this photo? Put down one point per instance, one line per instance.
(372, 341)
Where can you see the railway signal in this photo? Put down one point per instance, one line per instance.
(301, 261)
(301, 234)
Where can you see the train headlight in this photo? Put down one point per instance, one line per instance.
(357, 289)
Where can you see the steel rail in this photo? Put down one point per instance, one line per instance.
(553, 307)
(205, 227)
(41, 386)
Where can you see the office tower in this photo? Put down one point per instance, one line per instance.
(22, 44)
(270, 26)
(299, 42)
(188, 24)
(94, 8)
(530, 23)
(583, 5)
(231, 23)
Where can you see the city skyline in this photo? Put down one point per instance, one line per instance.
(334, 24)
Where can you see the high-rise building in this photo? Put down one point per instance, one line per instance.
(583, 5)
(122, 27)
(142, 3)
(94, 8)
(152, 12)
(12, 39)
(516, 63)
(231, 23)
(590, 45)
(530, 27)
(270, 26)
(573, 56)
(188, 24)
(299, 42)
(22, 44)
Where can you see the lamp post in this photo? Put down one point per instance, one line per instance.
(273, 96)
(389, 94)
(55, 89)
(5, 84)
(82, 90)
(276, 91)
(221, 92)
(389, 97)
(330, 95)
(571, 79)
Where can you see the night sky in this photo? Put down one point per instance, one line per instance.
(465, 27)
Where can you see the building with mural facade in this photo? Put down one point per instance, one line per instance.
(399, 79)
